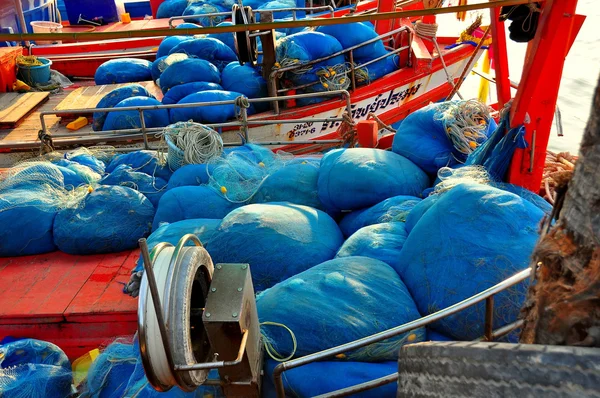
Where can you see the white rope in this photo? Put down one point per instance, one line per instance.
(198, 142)
(428, 32)
(465, 124)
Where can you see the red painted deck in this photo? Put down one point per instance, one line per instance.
(75, 302)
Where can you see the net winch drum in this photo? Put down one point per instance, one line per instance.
(205, 319)
(245, 43)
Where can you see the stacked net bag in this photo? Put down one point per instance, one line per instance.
(123, 70)
(278, 240)
(337, 302)
(443, 134)
(34, 368)
(113, 98)
(463, 239)
(206, 48)
(151, 187)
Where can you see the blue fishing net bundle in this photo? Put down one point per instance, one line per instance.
(144, 161)
(122, 120)
(151, 187)
(278, 240)
(244, 79)
(323, 377)
(177, 93)
(188, 71)
(123, 70)
(424, 136)
(304, 47)
(189, 175)
(211, 113)
(162, 63)
(171, 8)
(113, 98)
(34, 368)
(187, 202)
(202, 8)
(337, 302)
(379, 241)
(168, 43)
(207, 48)
(110, 219)
(393, 209)
(225, 38)
(352, 179)
(463, 241)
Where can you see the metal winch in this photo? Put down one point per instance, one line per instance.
(194, 316)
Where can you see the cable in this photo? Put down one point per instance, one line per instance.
(272, 351)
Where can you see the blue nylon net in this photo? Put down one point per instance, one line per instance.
(151, 187)
(352, 179)
(336, 302)
(168, 43)
(352, 34)
(208, 114)
(225, 38)
(123, 120)
(393, 209)
(244, 79)
(177, 93)
(278, 240)
(201, 8)
(187, 202)
(323, 377)
(34, 368)
(91, 228)
(470, 238)
(123, 70)
(171, 8)
(188, 71)
(212, 50)
(113, 98)
(189, 175)
(380, 241)
(143, 161)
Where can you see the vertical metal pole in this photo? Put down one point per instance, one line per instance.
(144, 133)
(489, 318)
(244, 112)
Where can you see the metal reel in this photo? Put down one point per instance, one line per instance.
(245, 43)
(183, 275)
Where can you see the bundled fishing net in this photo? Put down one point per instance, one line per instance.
(168, 43)
(353, 34)
(123, 70)
(201, 8)
(211, 113)
(110, 219)
(464, 240)
(379, 241)
(188, 202)
(443, 134)
(122, 120)
(395, 209)
(171, 8)
(177, 93)
(352, 179)
(244, 79)
(113, 98)
(31, 194)
(151, 187)
(278, 240)
(336, 302)
(203, 228)
(189, 175)
(323, 377)
(225, 38)
(188, 71)
(191, 143)
(209, 49)
(34, 368)
(162, 63)
(148, 162)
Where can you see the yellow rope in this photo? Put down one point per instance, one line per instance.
(28, 60)
(272, 351)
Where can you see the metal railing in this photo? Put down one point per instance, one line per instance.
(229, 14)
(277, 73)
(243, 121)
(490, 335)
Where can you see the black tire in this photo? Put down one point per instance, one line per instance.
(467, 369)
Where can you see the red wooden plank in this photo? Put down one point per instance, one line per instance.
(102, 294)
(57, 285)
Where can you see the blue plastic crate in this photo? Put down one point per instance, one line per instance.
(138, 9)
(90, 9)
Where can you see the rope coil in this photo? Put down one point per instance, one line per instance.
(197, 143)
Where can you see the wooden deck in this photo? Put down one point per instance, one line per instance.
(82, 95)
(75, 302)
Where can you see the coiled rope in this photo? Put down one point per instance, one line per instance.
(197, 142)
(429, 32)
(465, 123)
(271, 350)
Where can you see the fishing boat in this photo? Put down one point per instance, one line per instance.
(82, 301)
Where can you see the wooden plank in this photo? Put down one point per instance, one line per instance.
(88, 97)
(15, 106)
(102, 294)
